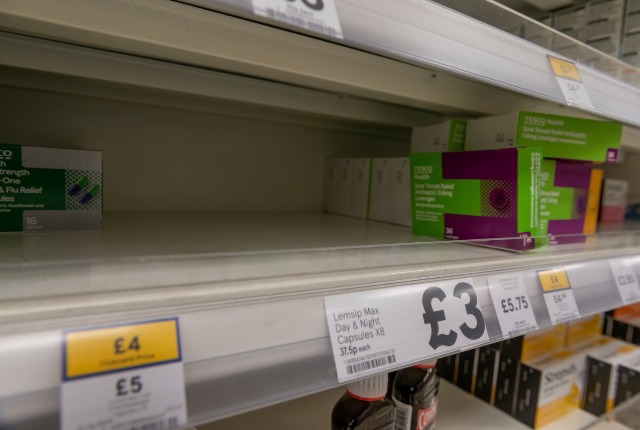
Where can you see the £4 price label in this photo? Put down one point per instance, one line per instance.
(558, 295)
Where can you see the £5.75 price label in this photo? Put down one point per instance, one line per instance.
(128, 376)
(319, 16)
(626, 280)
(375, 330)
(512, 304)
(558, 295)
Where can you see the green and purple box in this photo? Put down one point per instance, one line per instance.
(47, 189)
(489, 195)
(559, 136)
(564, 194)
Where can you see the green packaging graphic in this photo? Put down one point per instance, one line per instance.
(559, 136)
(47, 189)
(564, 194)
(447, 136)
(478, 195)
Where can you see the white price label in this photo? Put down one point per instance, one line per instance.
(375, 330)
(147, 398)
(574, 92)
(123, 377)
(562, 305)
(626, 280)
(511, 301)
(319, 16)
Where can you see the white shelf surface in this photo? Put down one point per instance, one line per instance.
(457, 410)
(248, 291)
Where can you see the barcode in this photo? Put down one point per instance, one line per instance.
(371, 364)
(169, 423)
(302, 23)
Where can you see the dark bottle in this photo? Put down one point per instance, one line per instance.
(415, 392)
(365, 406)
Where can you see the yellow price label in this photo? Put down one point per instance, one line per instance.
(554, 279)
(565, 69)
(108, 349)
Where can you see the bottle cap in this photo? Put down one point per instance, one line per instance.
(369, 389)
(427, 364)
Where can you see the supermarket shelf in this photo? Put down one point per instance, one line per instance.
(430, 35)
(457, 410)
(449, 63)
(248, 291)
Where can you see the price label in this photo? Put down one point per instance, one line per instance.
(319, 16)
(375, 330)
(558, 295)
(511, 301)
(128, 376)
(570, 82)
(626, 280)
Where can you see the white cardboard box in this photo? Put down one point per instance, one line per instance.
(400, 192)
(380, 178)
(360, 182)
(443, 137)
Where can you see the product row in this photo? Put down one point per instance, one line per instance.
(610, 26)
(540, 377)
(522, 175)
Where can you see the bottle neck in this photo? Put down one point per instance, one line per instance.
(365, 399)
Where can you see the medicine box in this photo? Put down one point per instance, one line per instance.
(564, 197)
(558, 136)
(478, 195)
(443, 137)
(548, 388)
(48, 189)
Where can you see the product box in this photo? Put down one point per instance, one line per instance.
(628, 381)
(559, 136)
(572, 22)
(478, 195)
(602, 375)
(548, 388)
(360, 186)
(447, 136)
(584, 331)
(632, 16)
(604, 25)
(593, 201)
(48, 189)
(564, 195)
(447, 366)
(487, 367)
(379, 199)
(614, 201)
(346, 186)
(467, 363)
(400, 191)
(522, 348)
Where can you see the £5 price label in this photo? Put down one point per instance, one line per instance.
(625, 279)
(375, 330)
(558, 295)
(128, 375)
(511, 302)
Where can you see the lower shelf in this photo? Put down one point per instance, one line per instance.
(456, 410)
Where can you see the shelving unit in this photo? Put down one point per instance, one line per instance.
(214, 132)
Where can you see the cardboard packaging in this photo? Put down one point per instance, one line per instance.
(614, 201)
(558, 136)
(478, 195)
(49, 189)
(447, 136)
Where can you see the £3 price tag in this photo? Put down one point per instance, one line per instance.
(375, 330)
(319, 16)
(626, 281)
(129, 376)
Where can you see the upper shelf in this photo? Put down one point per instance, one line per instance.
(450, 64)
